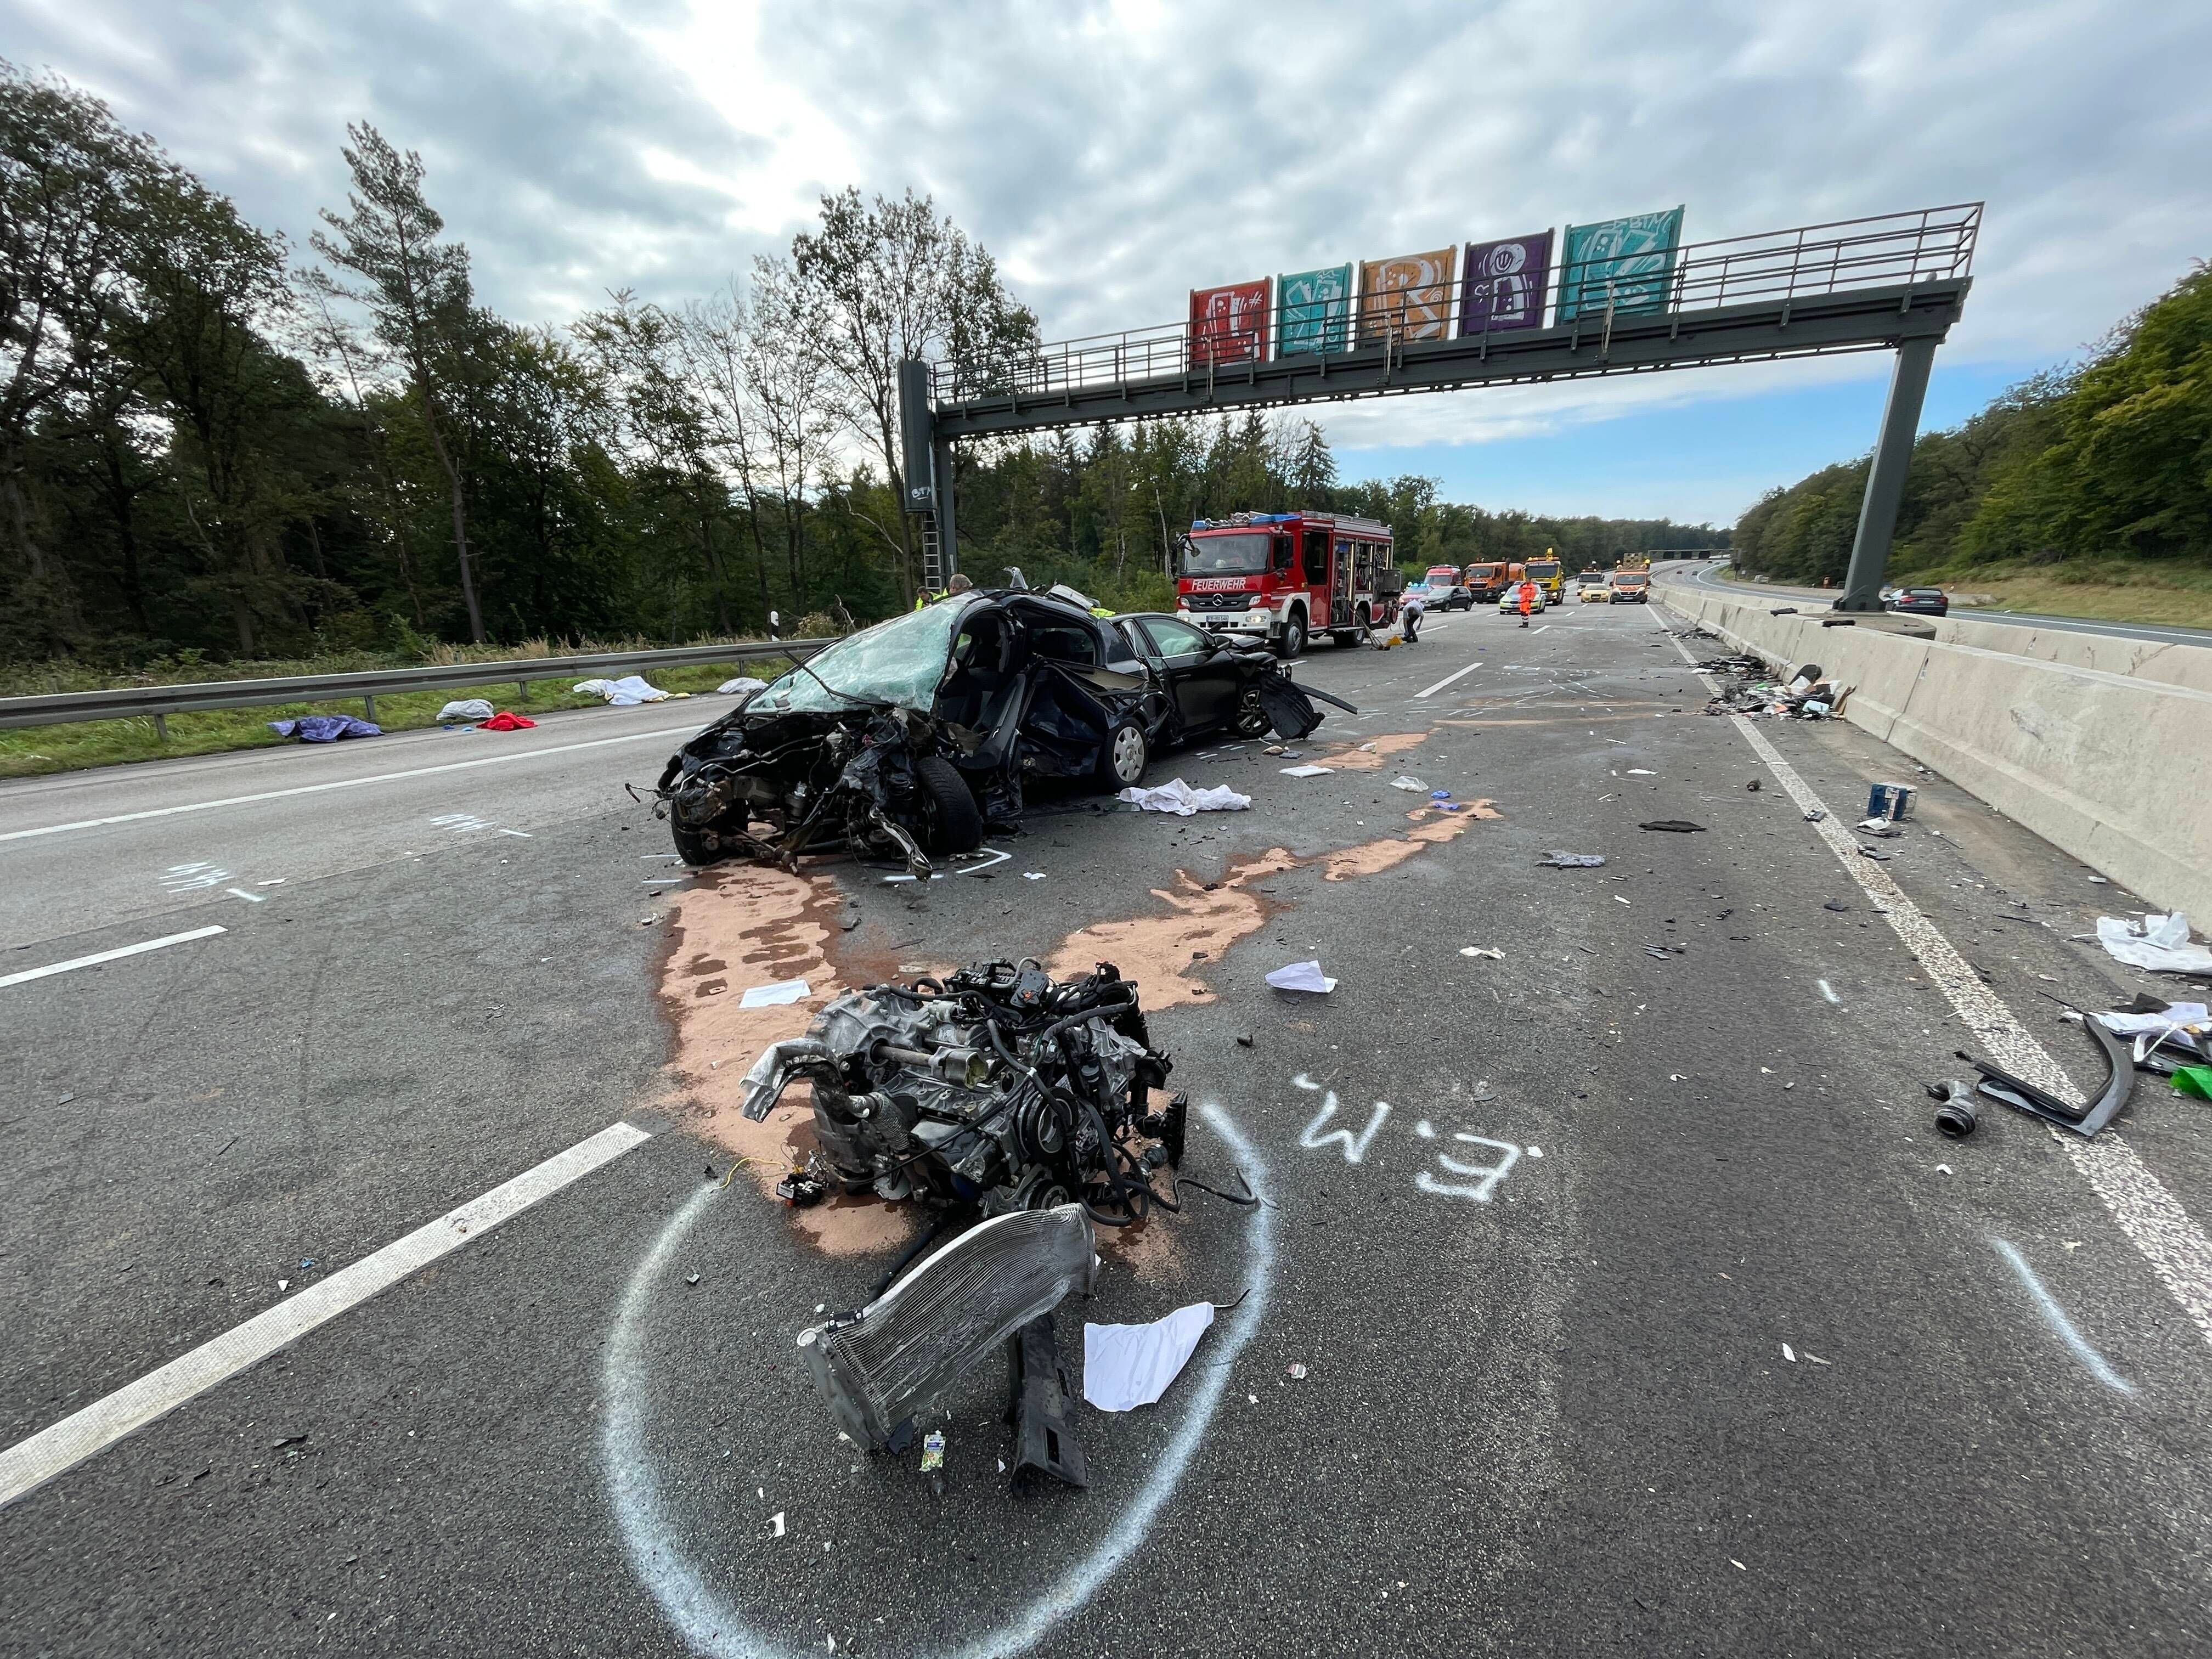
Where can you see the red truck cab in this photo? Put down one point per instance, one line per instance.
(1284, 577)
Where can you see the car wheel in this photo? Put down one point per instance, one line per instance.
(696, 847)
(1122, 761)
(1252, 721)
(951, 820)
(1294, 636)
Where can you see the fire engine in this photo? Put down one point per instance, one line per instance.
(1284, 577)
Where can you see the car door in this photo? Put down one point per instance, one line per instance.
(1201, 675)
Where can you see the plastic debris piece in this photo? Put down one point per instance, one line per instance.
(1125, 1366)
(2193, 1080)
(1409, 783)
(1790, 1353)
(1306, 771)
(1675, 826)
(1179, 798)
(1296, 1372)
(1033, 875)
(1301, 976)
(1816, 815)
(775, 1524)
(1477, 951)
(1642, 772)
(774, 996)
(933, 1450)
(1559, 860)
(2159, 943)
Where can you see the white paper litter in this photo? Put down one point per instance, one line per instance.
(1301, 976)
(773, 996)
(743, 686)
(1642, 772)
(1411, 784)
(2177, 1015)
(2159, 943)
(1033, 875)
(1179, 798)
(624, 693)
(1306, 771)
(1125, 1366)
(466, 708)
(1477, 951)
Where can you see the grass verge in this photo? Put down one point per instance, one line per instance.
(2100, 590)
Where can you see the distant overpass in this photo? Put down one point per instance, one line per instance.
(1894, 283)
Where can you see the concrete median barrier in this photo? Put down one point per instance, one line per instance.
(2113, 767)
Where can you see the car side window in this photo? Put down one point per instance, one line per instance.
(1122, 645)
(1175, 639)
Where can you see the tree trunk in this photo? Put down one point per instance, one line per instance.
(120, 500)
(315, 545)
(461, 548)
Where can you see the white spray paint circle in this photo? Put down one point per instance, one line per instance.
(713, 1626)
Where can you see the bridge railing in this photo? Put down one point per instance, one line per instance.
(1896, 250)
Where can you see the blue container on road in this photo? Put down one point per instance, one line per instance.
(1890, 801)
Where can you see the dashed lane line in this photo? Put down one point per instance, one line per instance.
(2137, 1200)
(117, 955)
(663, 733)
(59, 1447)
(1448, 679)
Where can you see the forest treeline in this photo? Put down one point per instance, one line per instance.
(217, 443)
(2107, 459)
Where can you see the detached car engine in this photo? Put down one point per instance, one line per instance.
(997, 1088)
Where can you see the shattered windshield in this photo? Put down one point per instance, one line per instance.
(899, 661)
(1241, 553)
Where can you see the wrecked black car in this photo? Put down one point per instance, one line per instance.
(905, 739)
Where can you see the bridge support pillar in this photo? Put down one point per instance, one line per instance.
(1885, 491)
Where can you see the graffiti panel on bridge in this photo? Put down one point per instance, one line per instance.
(1409, 298)
(1629, 261)
(1316, 306)
(1229, 325)
(1505, 284)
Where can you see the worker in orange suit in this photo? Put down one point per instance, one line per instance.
(1528, 598)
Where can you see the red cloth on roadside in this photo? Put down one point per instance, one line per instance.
(503, 721)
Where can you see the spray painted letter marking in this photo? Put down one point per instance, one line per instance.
(1355, 1146)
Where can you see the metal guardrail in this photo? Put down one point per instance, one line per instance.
(159, 701)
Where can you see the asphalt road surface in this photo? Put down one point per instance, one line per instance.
(1708, 575)
(1640, 1310)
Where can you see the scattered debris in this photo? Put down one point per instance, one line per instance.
(781, 992)
(933, 1450)
(1954, 1113)
(1641, 772)
(1179, 798)
(1837, 904)
(2084, 1118)
(2159, 944)
(1244, 1040)
(1816, 815)
(1752, 786)
(1879, 858)
(1891, 803)
(1789, 1353)
(1559, 860)
(775, 1524)
(1306, 771)
(1125, 1366)
(1301, 976)
(1675, 826)
(2193, 1080)
(1411, 784)
(324, 728)
(625, 693)
(1478, 950)
(1033, 875)
(1296, 1370)
(1751, 690)
(1882, 828)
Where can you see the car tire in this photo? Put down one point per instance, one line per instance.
(951, 820)
(1252, 721)
(1293, 642)
(697, 847)
(1123, 756)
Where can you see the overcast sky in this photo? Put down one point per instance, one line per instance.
(1115, 156)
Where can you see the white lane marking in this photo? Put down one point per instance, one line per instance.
(250, 898)
(342, 783)
(52, 968)
(1829, 991)
(1545, 628)
(2150, 1215)
(696, 1604)
(1448, 679)
(61, 1446)
(2055, 1318)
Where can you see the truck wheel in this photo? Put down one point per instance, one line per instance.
(1293, 642)
(951, 820)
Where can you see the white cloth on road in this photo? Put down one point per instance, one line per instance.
(2159, 943)
(742, 686)
(1125, 1366)
(624, 693)
(1301, 976)
(1179, 798)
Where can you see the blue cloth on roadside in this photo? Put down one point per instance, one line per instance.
(324, 728)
